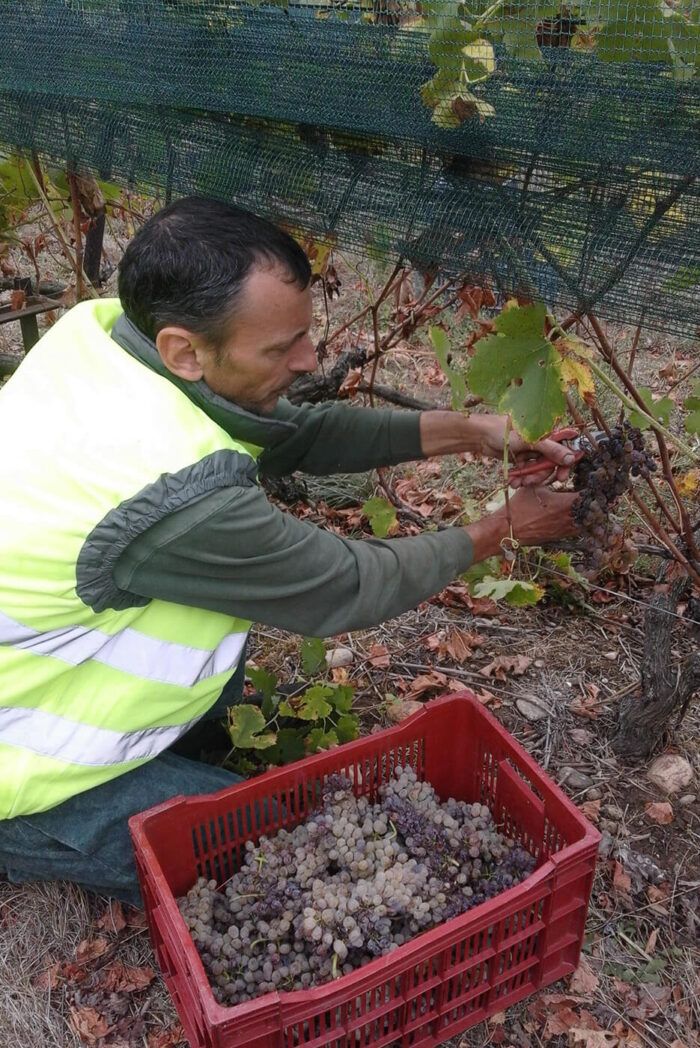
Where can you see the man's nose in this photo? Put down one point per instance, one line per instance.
(304, 357)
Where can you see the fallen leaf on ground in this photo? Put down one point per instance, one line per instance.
(459, 644)
(168, 1038)
(486, 698)
(90, 949)
(591, 809)
(379, 657)
(560, 1021)
(622, 882)
(88, 1024)
(584, 980)
(48, 979)
(650, 944)
(502, 665)
(113, 919)
(651, 1001)
(125, 978)
(659, 811)
(427, 682)
(399, 709)
(582, 1038)
(671, 772)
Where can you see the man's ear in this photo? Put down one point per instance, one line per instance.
(182, 352)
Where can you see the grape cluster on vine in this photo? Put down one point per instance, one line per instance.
(601, 477)
(352, 883)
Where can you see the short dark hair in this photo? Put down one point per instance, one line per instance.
(188, 263)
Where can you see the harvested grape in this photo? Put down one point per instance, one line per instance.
(352, 883)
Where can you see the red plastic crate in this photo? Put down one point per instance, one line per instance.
(443, 981)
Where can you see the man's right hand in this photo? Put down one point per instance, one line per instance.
(538, 515)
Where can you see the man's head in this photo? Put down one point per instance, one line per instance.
(226, 298)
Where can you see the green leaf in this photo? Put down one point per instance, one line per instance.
(457, 381)
(341, 698)
(310, 706)
(641, 36)
(519, 38)
(265, 682)
(563, 563)
(246, 726)
(519, 371)
(313, 654)
(692, 405)
(289, 747)
(478, 572)
(445, 46)
(318, 739)
(514, 592)
(658, 409)
(381, 515)
(347, 727)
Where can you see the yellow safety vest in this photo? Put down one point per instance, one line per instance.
(87, 695)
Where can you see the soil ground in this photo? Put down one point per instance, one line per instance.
(76, 969)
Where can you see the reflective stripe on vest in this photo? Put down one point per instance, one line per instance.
(48, 735)
(129, 650)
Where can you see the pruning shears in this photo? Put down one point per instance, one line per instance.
(580, 444)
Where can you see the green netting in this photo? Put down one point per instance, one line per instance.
(552, 148)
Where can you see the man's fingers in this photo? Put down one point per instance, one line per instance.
(558, 453)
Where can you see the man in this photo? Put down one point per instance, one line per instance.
(137, 546)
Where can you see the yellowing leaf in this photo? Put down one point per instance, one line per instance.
(576, 373)
(689, 483)
(246, 726)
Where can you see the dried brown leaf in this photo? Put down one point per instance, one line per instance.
(90, 949)
(379, 657)
(591, 809)
(170, 1037)
(659, 811)
(502, 665)
(622, 882)
(113, 919)
(88, 1024)
(584, 980)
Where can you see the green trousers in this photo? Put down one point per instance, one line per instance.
(86, 839)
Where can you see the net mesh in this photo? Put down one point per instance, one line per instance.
(549, 148)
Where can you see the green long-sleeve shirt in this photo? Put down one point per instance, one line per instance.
(233, 551)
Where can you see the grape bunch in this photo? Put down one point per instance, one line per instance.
(352, 883)
(601, 477)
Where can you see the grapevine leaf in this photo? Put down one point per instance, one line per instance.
(445, 46)
(689, 483)
(347, 727)
(478, 60)
(246, 726)
(478, 572)
(289, 747)
(265, 682)
(341, 698)
(520, 40)
(519, 371)
(516, 593)
(641, 36)
(381, 515)
(311, 706)
(318, 739)
(574, 369)
(685, 277)
(658, 409)
(313, 654)
(563, 563)
(692, 405)
(441, 347)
